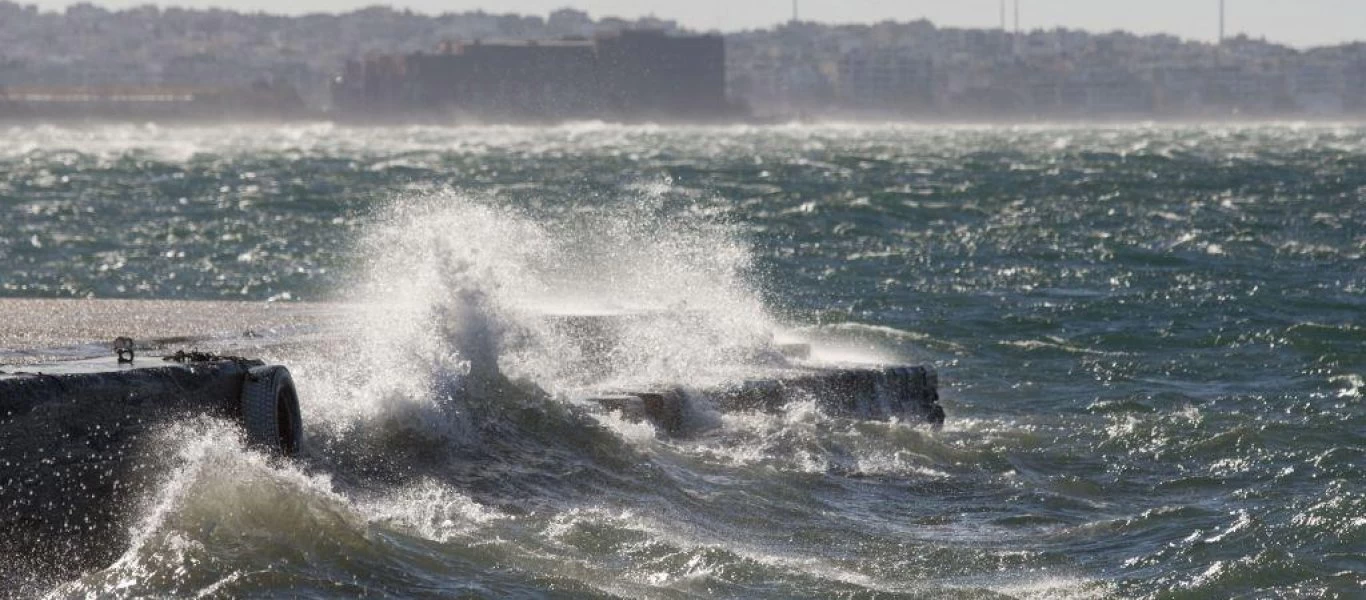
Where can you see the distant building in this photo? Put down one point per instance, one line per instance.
(1249, 90)
(1107, 91)
(1320, 88)
(886, 81)
(629, 74)
(506, 80)
(1181, 90)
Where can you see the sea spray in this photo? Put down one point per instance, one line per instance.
(416, 405)
(481, 283)
(220, 502)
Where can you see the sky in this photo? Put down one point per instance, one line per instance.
(1299, 23)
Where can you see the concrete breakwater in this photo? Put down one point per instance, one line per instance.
(779, 374)
(83, 444)
(77, 455)
(78, 450)
(80, 443)
(873, 393)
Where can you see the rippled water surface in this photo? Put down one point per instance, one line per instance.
(1151, 343)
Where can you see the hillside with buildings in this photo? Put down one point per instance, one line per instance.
(918, 69)
(903, 70)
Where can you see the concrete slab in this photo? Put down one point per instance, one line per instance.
(36, 331)
(871, 393)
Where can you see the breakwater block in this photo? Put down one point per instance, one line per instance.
(881, 393)
(78, 454)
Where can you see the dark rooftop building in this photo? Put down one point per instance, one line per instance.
(628, 75)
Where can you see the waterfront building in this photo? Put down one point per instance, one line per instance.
(630, 74)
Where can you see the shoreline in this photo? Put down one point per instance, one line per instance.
(775, 121)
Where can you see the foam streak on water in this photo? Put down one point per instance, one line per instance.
(1150, 341)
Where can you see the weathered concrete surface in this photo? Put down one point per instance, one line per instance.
(35, 331)
(881, 394)
(782, 375)
(77, 457)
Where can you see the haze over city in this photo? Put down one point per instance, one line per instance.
(600, 59)
(1302, 23)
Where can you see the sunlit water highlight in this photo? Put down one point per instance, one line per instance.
(1150, 340)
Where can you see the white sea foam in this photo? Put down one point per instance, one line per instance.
(432, 510)
(215, 492)
(457, 289)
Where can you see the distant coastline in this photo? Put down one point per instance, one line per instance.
(885, 71)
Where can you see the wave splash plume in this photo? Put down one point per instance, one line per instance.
(447, 451)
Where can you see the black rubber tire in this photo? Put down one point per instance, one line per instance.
(270, 410)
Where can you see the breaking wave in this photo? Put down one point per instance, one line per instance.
(445, 436)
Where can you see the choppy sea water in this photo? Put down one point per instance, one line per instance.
(1151, 344)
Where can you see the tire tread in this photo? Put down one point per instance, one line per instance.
(260, 394)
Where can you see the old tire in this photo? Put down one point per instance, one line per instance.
(270, 410)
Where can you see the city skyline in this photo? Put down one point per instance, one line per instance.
(1302, 24)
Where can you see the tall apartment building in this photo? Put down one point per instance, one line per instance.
(628, 75)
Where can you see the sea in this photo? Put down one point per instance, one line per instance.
(1150, 342)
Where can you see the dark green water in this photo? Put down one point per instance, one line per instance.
(1152, 343)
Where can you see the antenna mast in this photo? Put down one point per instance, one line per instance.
(1016, 37)
(1221, 22)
